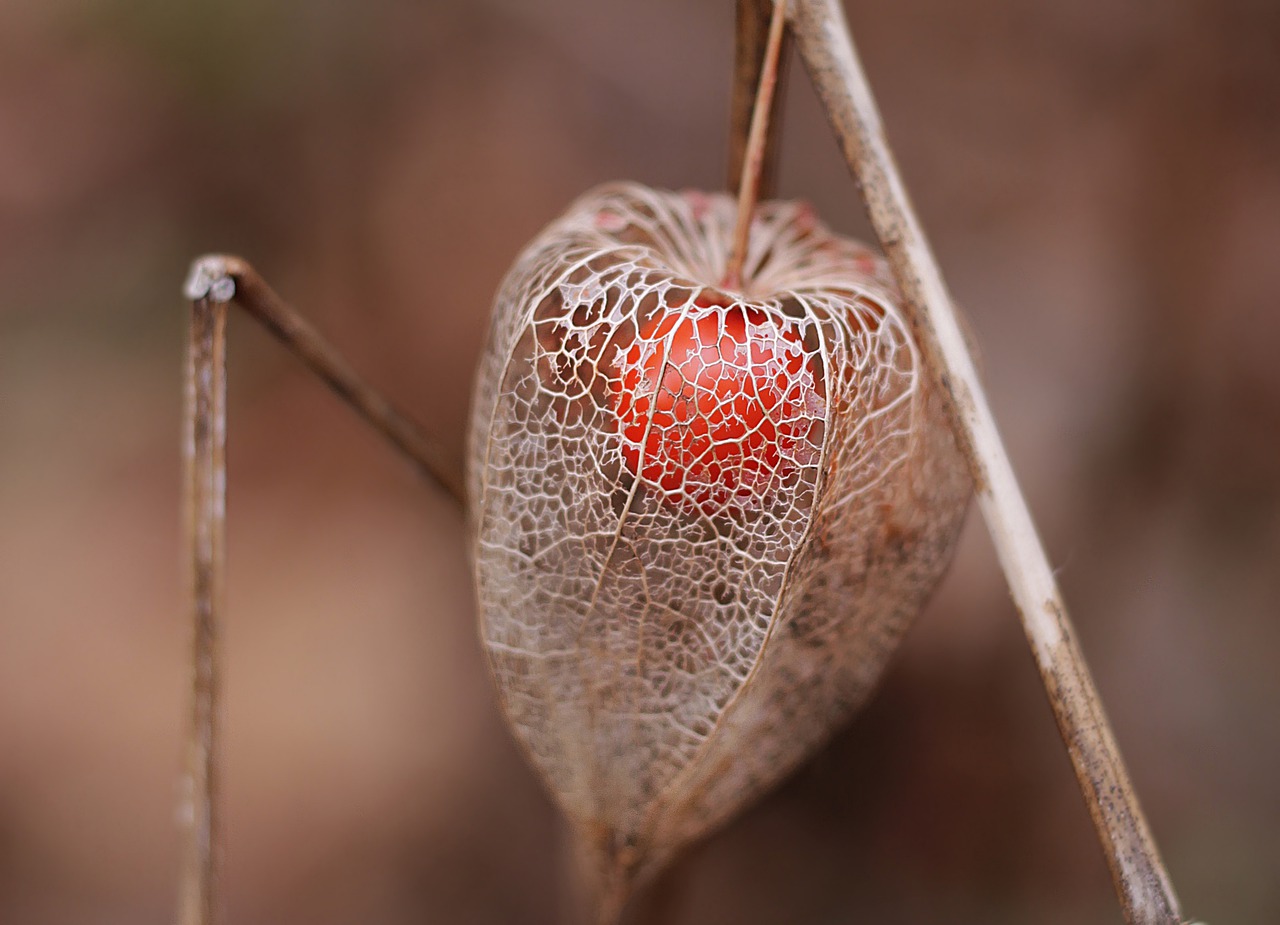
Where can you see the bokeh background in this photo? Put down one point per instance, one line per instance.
(1102, 184)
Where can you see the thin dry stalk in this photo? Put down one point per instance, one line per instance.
(204, 454)
(232, 279)
(751, 37)
(757, 142)
(1141, 881)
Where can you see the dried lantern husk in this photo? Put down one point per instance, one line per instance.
(665, 652)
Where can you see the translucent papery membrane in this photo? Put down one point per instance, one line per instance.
(640, 537)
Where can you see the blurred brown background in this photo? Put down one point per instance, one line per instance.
(1102, 183)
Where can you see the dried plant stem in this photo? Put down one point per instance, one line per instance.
(757, 138)
(204, 454)
(1141, 881)
(213, 284)
(230, 279)
(751, 36)
(611, 904)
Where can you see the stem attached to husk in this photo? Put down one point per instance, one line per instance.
(751, 39)
(757, 139)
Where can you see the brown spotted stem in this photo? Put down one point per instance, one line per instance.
(204, 456)
(1143, 885)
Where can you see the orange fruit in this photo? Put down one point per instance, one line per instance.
(710, 404)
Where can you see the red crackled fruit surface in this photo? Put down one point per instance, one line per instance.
(711, 407)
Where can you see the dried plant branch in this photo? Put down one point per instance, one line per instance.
(757, 138)
(215, 282)
(228, 279)
(204, 455)
(750, 40)
(1141, 881)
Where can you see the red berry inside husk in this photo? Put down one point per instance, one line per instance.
(714, 404)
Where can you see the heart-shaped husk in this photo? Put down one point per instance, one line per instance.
(667, 652)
